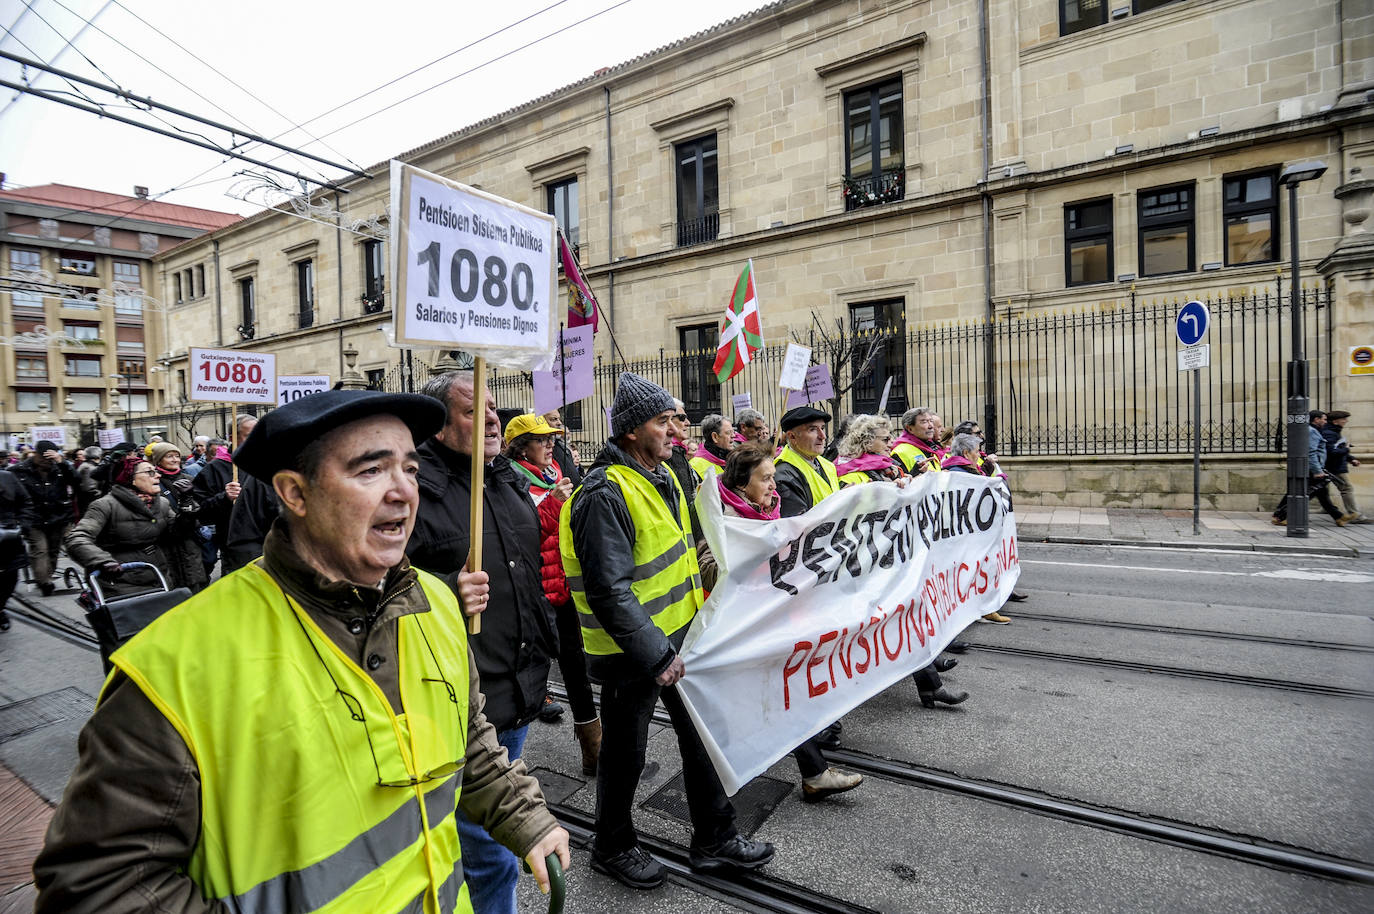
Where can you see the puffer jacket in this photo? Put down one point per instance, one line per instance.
(119, 527)
(551, 562)
(51, 491)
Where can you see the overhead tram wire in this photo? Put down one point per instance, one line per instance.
(392, 82)
(479, 66)
(28, 8)
(184, 137)
(75, 88)
(236, 85)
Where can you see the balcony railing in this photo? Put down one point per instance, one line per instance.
(698, 231)
(874, 190)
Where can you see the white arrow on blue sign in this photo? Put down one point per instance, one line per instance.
(1191, 323)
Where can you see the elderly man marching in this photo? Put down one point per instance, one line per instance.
(298, 736)
(632, 570)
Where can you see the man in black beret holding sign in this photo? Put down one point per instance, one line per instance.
(299, 735)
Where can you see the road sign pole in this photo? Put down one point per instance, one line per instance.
(1197, 450)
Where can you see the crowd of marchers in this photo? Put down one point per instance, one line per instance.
(317, 730)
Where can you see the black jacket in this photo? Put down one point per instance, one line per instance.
(518, 635)
(208, 490)
(251, 517)
(688, 479)
(603, 538)
(51, 492)
(16, 511)
(1337, 449)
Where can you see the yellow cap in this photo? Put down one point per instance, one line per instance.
(529, 424)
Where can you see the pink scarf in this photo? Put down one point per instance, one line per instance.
(925, 447)
(746, 508)
(863, 463)
(702, 452)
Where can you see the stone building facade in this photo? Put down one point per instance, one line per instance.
(1031, 157)
(82, 313)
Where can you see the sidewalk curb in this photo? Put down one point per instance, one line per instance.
(1274, 548)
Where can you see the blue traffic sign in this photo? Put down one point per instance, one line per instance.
(1191, 323)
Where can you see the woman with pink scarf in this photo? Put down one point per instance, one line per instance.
(863, 454)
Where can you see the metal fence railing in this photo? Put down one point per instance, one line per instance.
(1100, 380)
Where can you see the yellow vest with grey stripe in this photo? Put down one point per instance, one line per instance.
(294, 817)
(820, 485)
(667, 581)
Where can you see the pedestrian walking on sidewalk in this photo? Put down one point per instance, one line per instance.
(1339, 460)
(1317, 480)
(52, 487)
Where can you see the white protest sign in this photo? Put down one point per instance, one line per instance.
(814, 615)
(741, 401)
(14, 442)
(794, 364)
(108, 437)
(233, 376)
(572, 376)
(291, 387)
(54, 433)
(817, 386)
(473, 271)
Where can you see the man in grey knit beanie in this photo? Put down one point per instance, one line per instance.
(631, 564)
(637, 400)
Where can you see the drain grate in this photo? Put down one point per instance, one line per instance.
(557, 787)
(754, 803)
(29, 714)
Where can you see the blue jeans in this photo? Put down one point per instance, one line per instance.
(490, 870)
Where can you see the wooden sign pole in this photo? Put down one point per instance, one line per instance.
(234, 439)
(479, 469)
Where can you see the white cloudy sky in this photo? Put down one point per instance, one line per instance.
(301, 59)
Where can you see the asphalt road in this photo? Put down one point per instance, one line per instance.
(1226, 692)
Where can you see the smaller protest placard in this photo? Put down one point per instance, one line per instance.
(14, 442)
(572, 376)
(741, 401)
(233, 376)
(794, 365)
(54, 433)
(109, 437)
(816, 386)
(291, 387)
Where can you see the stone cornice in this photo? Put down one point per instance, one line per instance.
(854, 60)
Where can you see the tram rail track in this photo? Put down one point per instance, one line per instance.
(55, 624)
(1137, 666)
(755, 891)
(1156, 628)
(1220, 842)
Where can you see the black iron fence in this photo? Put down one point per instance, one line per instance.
(1100, 380)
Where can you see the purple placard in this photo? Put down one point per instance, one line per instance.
(818, 387)
(575, 359)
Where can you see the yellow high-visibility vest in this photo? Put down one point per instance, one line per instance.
(667, 581)
(294, 817)
(910, 455)
(821, 486)
(705, 467)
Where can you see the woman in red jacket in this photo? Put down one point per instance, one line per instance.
(529, 445)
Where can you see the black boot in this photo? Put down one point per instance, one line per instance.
(634, 867)
(957, 647)
(945, 664)
(736, 853)
(944, 696)
(4, 621)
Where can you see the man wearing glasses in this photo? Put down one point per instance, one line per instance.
(300, 735)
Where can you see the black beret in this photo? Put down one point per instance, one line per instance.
(800, 416)
(279, 437)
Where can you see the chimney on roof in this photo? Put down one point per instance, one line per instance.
(601, 71)
(140, 192)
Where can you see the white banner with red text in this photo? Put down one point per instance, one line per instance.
(814, 615)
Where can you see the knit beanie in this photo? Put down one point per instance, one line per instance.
(45, 445)
(637, 400)
(161, 449)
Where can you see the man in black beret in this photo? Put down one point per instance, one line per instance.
(300, 734)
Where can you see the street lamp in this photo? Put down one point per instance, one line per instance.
(128, 380)
(1297, 422)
